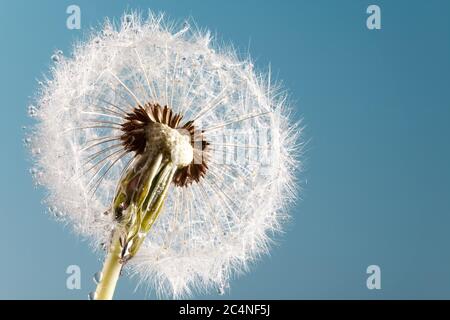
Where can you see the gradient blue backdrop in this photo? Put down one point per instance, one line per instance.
(376, 105)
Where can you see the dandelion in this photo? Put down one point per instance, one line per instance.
(169, 153)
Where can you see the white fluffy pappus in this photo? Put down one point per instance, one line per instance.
(208, 230)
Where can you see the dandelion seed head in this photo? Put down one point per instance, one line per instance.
(219, 216)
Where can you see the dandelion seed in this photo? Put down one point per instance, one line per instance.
(127, 133)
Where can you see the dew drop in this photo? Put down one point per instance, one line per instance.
(92, 296)
(98, 277)
(36, 175)
(128, 19)
(55, 58)
(59, 214)
(186, 26)
(55, 212)
(35, 151)
(32, 111)
(27, 141)
(107, 33)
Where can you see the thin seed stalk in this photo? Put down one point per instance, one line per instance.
(110, 273)
(137, 204)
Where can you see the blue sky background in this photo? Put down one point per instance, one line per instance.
(376, 105)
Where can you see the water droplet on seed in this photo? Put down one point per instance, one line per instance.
(55, 212)
(98, 277)
(27, 141)
(107, 33)
(35, 151)
(57, 56)
(32, 111)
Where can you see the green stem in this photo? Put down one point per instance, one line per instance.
(110, 273)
